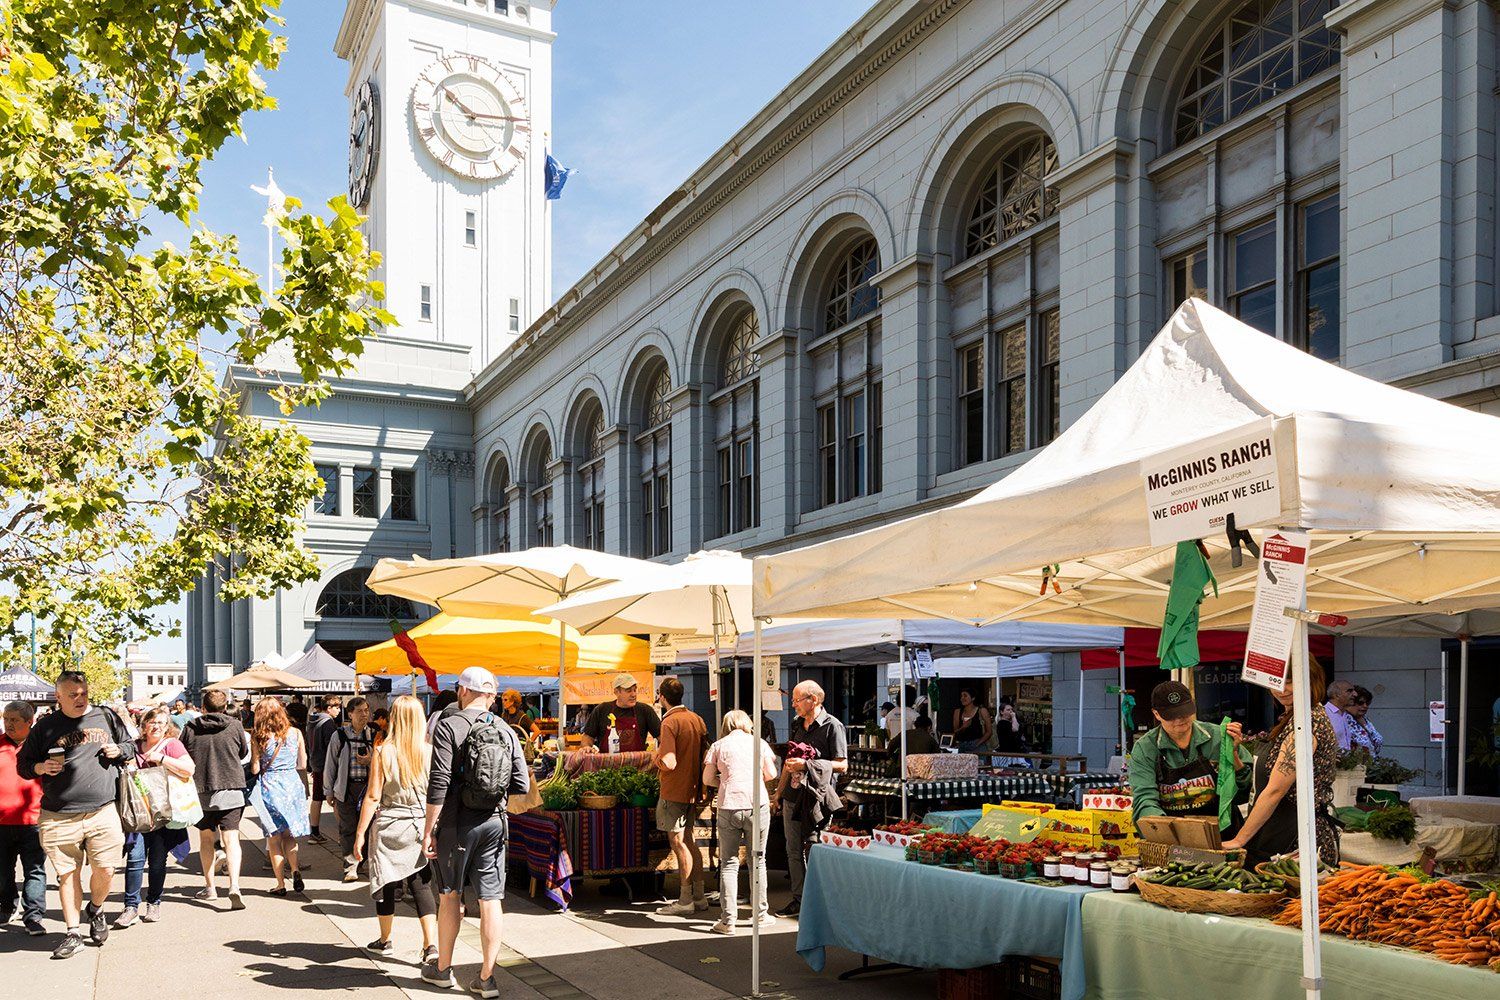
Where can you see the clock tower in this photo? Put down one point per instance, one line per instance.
(450, 109)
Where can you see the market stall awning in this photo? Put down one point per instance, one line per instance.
(525, 648)
(1400, 492)
(1214, 646)
(987, 667)
(20, 684)
(321, 668)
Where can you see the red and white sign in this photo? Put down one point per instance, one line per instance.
(1281, 583)
(1190, 492)
(1437, 721)
(713, 673)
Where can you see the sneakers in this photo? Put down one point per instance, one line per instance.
(681, 908)
(429, 954)
(727, 929)
(127, 917)
(766, 920)
(316, 838)
(485, 988)
(206, 893)
(297, 884)
(34, 927)
(71, 945)
(380, 947)
(152, 913)
(791, 909)
(98, 925)
(221, 862)
(439, 977)
(351, 874)
(236, 901)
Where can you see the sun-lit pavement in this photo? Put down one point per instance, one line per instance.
(605, 949)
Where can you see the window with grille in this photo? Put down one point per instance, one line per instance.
(1317, 327)
(541, 496)
(736, 409)
(366, 495)
(425, 304)
(347, 596)
(327, 502)
(1265, 48)
(1014, 196)
(514, 320)
(971, 403)
(403, 495)
(500, 508)
(655, 447)
(846, 362)
(1049, 382)
(591, 483)
(471, 229)
(1252, 276)
(1187, 278)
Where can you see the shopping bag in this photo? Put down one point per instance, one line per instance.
(134, 802)
(183, 795)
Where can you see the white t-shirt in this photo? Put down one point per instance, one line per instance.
(898, 719)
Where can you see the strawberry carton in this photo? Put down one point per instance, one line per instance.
(847, 838)
(899, 834)
(1109, 799)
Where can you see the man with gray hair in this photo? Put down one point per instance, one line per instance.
(20, 806)
(1341, 695)
(817, 750)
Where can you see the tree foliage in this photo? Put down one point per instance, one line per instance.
(127, 464)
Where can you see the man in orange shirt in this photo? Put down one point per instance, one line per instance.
(20, 807)
(679, 762)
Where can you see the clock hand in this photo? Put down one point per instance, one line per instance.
(476, 114)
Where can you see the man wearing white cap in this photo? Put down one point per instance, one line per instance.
(477, 764)
(630, 720)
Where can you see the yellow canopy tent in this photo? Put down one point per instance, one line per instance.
(521, 647)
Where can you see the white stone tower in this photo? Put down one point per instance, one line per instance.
(450, 109)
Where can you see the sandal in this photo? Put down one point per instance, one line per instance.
(278, 892)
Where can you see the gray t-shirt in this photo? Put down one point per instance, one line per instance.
(823, 740)
(444, 784)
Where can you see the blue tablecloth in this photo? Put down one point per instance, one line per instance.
(953, 820)
(877, 903)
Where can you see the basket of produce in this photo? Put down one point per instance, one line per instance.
(846, 837)
(592, 800)
(1152, 854)
(1289, 871)
(1222, 888)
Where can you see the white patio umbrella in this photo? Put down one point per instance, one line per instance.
(1399, 493)
(505, 584)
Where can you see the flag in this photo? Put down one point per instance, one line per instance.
(275, 198)
(408, 646)
(556, 176)
(1228, 786)
(1179, 626)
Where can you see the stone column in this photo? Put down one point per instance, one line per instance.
(692, 480)
(906, 391)
(785, 426)
(614, 444)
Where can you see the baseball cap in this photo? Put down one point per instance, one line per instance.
(624, 682)
(477, 679)
(1172, 700)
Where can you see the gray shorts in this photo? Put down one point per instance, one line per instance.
(674, 817)
(473, 856)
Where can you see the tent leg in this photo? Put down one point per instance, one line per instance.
(1307, 848)
(562, 697)
(1463, 710)
(716, 682)
(758, 792)
(901, 700)
(1124, 750)
(1079, 749)
(1447, 721)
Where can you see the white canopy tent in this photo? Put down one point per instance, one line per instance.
(984, 667)
(1401, 495)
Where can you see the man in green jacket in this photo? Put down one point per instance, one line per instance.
(1174, 768)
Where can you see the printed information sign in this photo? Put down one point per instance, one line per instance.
(1190, 492)
(1280, 584)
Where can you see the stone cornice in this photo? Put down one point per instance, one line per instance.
(903, 274)
(1105, 163)
(1362, 22)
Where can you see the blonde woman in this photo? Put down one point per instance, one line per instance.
(396, 803)
(729, 766)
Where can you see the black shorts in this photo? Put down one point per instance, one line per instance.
(221, 819)
(473, 856)
(317, 790)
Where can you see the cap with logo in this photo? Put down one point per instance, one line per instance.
(1172, 701)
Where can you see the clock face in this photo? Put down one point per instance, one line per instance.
(471, 116)
(364, 143)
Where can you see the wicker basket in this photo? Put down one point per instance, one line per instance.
(1230, 904)
(591, 801)
(1153, 855)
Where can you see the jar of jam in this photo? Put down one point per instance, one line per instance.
(1120, 878)
(1051, 865)
(1066, 865)
(1081, 868)
(1099, 874)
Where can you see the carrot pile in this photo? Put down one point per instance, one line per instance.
(1399, 908)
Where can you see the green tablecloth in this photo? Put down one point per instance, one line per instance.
(1133, 950)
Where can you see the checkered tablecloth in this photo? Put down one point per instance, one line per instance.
(994, 787)
(1072, 786)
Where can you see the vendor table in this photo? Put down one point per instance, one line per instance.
(540, 841)
(953, 820)
(1134, 950)
(877, 903)
(992, 788)
(1459, 845)
(576, 762)
(1478, 808)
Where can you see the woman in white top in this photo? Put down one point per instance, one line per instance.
(729, 766)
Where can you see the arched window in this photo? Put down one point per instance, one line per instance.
(1014, 196)
(347, 596)
(655, 445)
(846, 379)
(1264, 48)
(499, 491)
(736, 408)
(591, 479)
(540, 476)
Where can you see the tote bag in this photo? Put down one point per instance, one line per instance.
(182, 793)
(134, 800)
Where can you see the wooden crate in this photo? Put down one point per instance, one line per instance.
(988, 982)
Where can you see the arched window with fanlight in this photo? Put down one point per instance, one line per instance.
(846, 358)
(736, 414)
(499, 507)
(1006, 323)
(348, 596)
(591, 480)
(654, 445)
(540, 497)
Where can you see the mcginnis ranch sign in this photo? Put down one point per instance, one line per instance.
(1191, 492)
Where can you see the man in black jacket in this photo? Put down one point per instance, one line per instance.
(220, 749)
(76, 753)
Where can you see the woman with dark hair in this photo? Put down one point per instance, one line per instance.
(971, 724)
(280, 797)
(1362, 732)
(1271, 827)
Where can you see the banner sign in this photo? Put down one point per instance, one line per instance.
(1437, 721)
(663, 649)
(1280, 584)
(1191, 491)
(924, 663)
(713, 673)
(770, 673)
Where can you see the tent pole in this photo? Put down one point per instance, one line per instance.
(1124, 749)
(901, 700)
(1079, 750)
(1463, 711)
(717, 682)
(1307, 847)
(757, 852)
(562, 697)
(1447, 717)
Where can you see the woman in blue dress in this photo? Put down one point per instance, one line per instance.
(280, 796)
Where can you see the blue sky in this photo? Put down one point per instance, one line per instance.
(642, 94)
